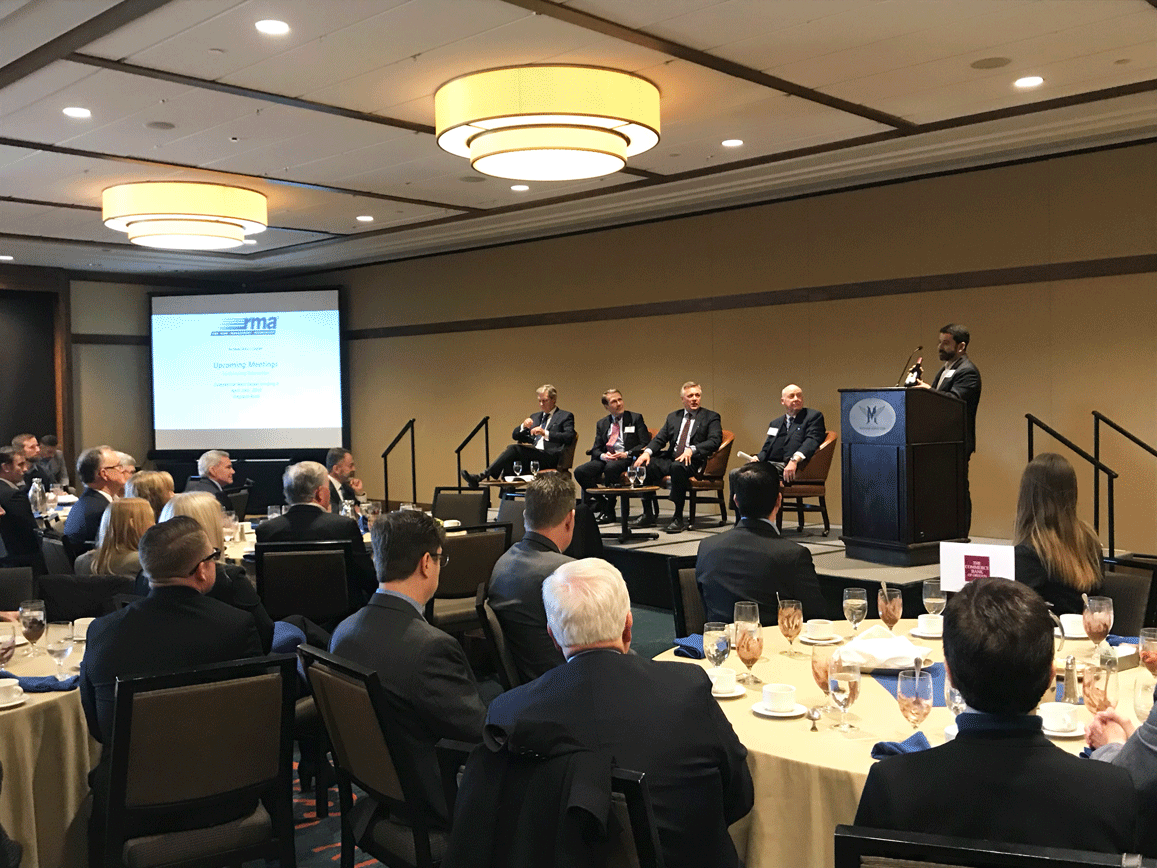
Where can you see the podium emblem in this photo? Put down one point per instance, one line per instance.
(872, 417)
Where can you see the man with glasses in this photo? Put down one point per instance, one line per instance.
(427, 680)
(104, 478)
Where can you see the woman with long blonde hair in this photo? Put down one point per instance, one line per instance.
(121, 528)
(1057, 554)
(155, 486)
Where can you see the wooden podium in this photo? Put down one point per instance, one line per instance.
(903, 467)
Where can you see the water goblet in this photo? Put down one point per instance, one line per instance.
(716, 645)
(1143, 696)
(890, 605)
(517, 468)
(1148, 649)
(1098, 620)
(914, 695)
(934, 599)
(1099, 687)
(953, 698)
(534, 468)
(855, 606)
(844, 687)
(7, 642)
(371, 509)
(790, 624)
(748, 638)
(32, 621)
(58, 641)
(821, 663)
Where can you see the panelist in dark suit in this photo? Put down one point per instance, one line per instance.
(343, 481)
(751, 561)
(308, 518)
(681, 448)
(1001, 779)
(100, 470)
(216, 472)
(542, 437)
(619, 437)
(17, 523)
(423, 670)
(654, 718)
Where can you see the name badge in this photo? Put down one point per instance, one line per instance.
(948, 373)
(771, 432)
(630, 429)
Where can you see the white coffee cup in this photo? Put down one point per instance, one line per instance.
(779, 697)
(819, 628)
(724, 681)
(1074, 625)
(1057, 716)
(10, 690)
(80, 628)
(930, 625)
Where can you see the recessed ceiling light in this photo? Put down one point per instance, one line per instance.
(272, 27)
(1029, 81)
(732, 143)
(365, 218)
(5, 258)
(77, 112)
(991, 62)
(519, 188)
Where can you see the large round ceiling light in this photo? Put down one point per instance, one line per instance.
(176, 215)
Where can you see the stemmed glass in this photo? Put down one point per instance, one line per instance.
(748, 639)
(534, 468)
(638, 474)
(855, 606)
(953, 698)
(844, 687)
(821, 663)
(914, 695)
(518, 468)
(934, 599)
(790, 624)
(59, 643)
(1148, 649)
(7, 642)
(229, 525)
(1143, 697)
(1099, 687)
(32, 621)
(890, 605)
(1098, 620)
(716, 645)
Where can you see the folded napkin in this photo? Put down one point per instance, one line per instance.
(41, 683)
(690, 646)
(890, 682)
(879, 648)
(1122, 640)
(917, 741)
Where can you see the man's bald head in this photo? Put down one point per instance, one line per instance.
(792, 399)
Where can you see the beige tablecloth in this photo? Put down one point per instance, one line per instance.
(47, 753)
(806, 783)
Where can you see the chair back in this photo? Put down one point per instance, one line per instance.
(304, 578)
(467, 507)
(67, 598)
(240, 502)
(16, 586)
(492, 630)
(690, 613)
(716, 467)
(510, 510)
(1130, 595)
(815, 469)
(57, 556)
(566, 460)
(638, 843)
(473, 555)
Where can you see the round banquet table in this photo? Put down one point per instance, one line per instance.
(47, 753)
(806, 783)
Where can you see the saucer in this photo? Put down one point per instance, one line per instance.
(834, 640)
(950, 731)
(1081, 635)
(13, 703)
(1075, 732)
(762, 710)
(739, 691)
(920, 634)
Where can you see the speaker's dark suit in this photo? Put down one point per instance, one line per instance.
(806, 434)
(337, 495)
(706, 436)
(83, 522)
(516, 597)
(560, 428)
(427, 681)
(655, 718)
(752, 562)
(1010, 785)
(200, 483)
(635, 437)
(18, 530)
(304, 522)
(962, 379)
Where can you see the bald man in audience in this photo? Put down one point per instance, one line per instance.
(99, 468)
(216, 470)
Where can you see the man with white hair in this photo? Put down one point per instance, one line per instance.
(104, 479)
(655, 718)
(216, 471)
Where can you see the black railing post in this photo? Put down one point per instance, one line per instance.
(1098, 418)
(1096, 473)
(483, 425)
(1027, 416)
(1112, 528)
(408, 427)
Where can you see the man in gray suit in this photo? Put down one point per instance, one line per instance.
(516, 581)
(427, 681)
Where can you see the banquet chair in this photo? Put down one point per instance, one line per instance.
(473, 552)
(240, 502)
(811, 481)
(308, 578)
(690, 613)
(712, 478)
(57, 554)
(510, 510)
(467, 507)
(67, 598)
(857, 846)
(503, 661)
(16, 586)
(190, 740)
(1130, 595)
(368, 754)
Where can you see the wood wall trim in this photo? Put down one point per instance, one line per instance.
(112, 340)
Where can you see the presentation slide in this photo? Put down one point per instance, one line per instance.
(247, 371)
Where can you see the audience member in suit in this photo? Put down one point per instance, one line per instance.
(542, 437)
(619, 437)
(27, 444)
(960, 377)
(100, 470)
(118, 543)
(216, 471)
(751, 561)
(1001, 779)
(52, 461)
(343, 481)
(308, 518)
(175, 627)
(515, 591)
(681, 448)
(17, 523)
(654, 718)
(1115, 740)
(423, 670)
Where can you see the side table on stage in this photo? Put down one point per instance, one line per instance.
(506, 488)
(625, 494)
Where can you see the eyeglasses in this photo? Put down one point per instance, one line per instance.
(212, 556)
(111, 467)
(442, 558)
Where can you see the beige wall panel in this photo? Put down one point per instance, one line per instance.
(110, 308)
(111, 389)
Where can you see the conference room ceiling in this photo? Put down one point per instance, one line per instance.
(335, 119)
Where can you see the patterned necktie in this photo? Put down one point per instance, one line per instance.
(684, 433)
(613, 435)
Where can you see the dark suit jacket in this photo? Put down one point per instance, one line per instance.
(1013, 786)
(304, 522)
(964, 383)
(336, 496)
(753, 562)
(560, 429)
(427, 681)
(36, 471)
(18, 530)
(706, 436)
(516, 597)
(633, 441)
(655, 718)
(806, 434)
(203, 484)
(83, 522)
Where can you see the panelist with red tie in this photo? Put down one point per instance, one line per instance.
(619, 437)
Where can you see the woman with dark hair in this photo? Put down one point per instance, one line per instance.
(1057, 554)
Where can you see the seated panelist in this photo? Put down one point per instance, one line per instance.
(619, 438)
(541, 437)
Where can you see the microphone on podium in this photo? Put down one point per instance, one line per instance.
(906, 374)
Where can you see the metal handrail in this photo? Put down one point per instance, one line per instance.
(1098, 418)
(483, 424)
(409, 426)
(1098, 467)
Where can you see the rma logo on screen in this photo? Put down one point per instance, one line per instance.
(250, 325)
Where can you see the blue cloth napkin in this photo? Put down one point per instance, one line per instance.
(41, 683)
(1122, 640)
(690, 646)
(889, 679)
(917, 741)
